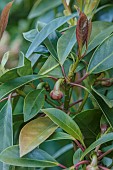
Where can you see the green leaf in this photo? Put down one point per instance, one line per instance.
(102, 58)
(34, 58)
(33, 102)
(44, 33)
(105, 98)
(60, 136)
(5, 59)
(100, 30)
(23, 69)
(63, 150)
(105, 138)
(107, 111)
(26, 69)
(65, 122)
(42, 6)
(34, 133)
(89, 124)
(50, 67)
(51, 44)
(65, 44)
(11, 85)
(76, 156)
(6, 130)
(36, 158)
(30, 35)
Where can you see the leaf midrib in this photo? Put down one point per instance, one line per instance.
(100, 62)
(27, 146)
(69, 128)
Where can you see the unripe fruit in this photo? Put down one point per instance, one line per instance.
(56, 94)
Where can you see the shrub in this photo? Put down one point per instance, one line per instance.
(60, 90)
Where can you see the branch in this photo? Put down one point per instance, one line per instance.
(81, 163)
(104, 154)
(6, 98)
(78, 101)
(79, 145)
(77, 85)
(62, 166)
(82, 78)
(103, 168)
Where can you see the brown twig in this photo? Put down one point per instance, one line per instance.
(79, 145)
(104, 154)
(82, 78)
(77, 85)
(62, 166)
(81, 163)
(78, 101)
(103, 168)
(53, 78)
(63, 72)
(6, 98)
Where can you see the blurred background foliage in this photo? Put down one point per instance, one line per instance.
(23, 17)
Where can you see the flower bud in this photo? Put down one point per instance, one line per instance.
(93, 165)
(90, 167)
(103, 128)
(56, 94)
(106, 83)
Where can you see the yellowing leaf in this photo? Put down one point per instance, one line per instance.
(34, 133)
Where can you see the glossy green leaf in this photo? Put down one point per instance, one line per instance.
(36, 158)
(6, 130)
(89, 124)
(30, 35)
(11, 85)
(63, 150)
(60, 136)
(65, 44)
(51, 67)
(104, 97)
(33, 102)
(102, 58)
(42, 6)
(26, 69)
(100, 30)
(65, 122)
(23, 69)
(48, 29)
(105, 138)
(51, 44)
(51, 41)
(76, 156)
(34, 133)
(5, 59)
(107, 111)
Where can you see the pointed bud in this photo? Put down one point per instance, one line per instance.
(56, 94)
(90, 167)
(82, 30)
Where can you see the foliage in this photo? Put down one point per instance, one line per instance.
(56, 103)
